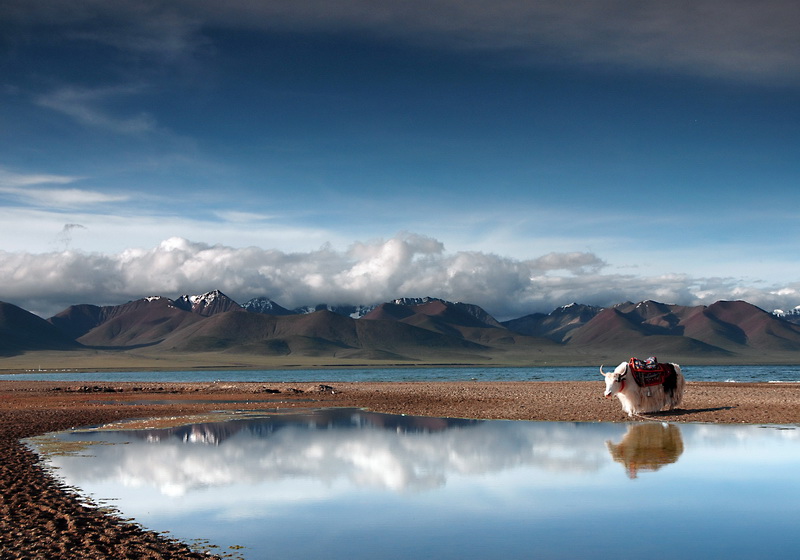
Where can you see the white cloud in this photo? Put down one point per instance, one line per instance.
(10, 180)
(370, 457)
(576, 263)
(407, 265)
(88, 107)
(62, 198)
(27, 189)
(242, 217)
(40, 230)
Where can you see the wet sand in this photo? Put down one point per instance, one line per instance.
(41, 519)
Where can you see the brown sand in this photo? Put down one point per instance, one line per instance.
(41, 519)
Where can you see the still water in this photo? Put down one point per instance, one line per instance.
(348, 484)
(738, 373)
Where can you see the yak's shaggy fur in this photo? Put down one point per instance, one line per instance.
(637, 400)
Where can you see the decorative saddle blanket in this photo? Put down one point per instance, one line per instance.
(649, 372)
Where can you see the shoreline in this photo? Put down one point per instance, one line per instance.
(39, 518)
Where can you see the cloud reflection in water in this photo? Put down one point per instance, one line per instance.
(397, 453)
(351, 484)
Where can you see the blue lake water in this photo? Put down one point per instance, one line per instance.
(348, 484)
(771, 373)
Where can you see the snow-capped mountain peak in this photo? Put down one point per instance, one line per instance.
(793, 315)
(266, 306)
(206, 304)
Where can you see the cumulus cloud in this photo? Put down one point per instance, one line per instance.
(406, 265)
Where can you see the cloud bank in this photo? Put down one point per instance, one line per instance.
(406, 265)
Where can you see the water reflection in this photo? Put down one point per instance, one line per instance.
(647, 447)
(398, 453)
(339, 484)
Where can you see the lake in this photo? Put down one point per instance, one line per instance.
(770, 373)
(349, 484)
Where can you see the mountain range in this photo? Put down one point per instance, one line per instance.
(405, 331)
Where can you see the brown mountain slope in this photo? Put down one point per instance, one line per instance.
(464, 321)
(609, 327)
(390, 312)
(401, 337)
(479, 331)
(761, 330)
(659, 318)
(625, 330)
(424, 329)
(323, 325)
(456, 314)
(723, 328)
(318, 333)
(78, 320)
(556, 325)
(21, 330)
(250, 332)
(139, 323)
(710, 329)
(207, 304)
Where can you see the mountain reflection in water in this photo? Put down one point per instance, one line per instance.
(400, 453)
(350, 484)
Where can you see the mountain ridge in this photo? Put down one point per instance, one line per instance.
(404, 329)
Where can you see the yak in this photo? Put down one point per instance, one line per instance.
(645, 385)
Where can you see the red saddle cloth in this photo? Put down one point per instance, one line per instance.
(649, 372)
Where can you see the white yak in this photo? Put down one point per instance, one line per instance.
(645, 391)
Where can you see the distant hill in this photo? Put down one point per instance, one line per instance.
(206, 304)
(407, 329)
(265, 306)
(22, 331)
(352, 311)
(724, 328)
(425, 328)
(556, 325)
(435, 314)
(322, 333)
(136, 323)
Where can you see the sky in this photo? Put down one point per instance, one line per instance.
(518, 155)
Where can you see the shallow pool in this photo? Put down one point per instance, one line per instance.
(349, 484)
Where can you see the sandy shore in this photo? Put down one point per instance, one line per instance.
(41, 519)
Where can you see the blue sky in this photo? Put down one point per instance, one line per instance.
(517, 155)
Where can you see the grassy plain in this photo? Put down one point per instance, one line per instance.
(141, 360)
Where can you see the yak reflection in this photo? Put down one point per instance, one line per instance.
(647, 447)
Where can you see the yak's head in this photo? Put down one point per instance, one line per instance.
(615, 380)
